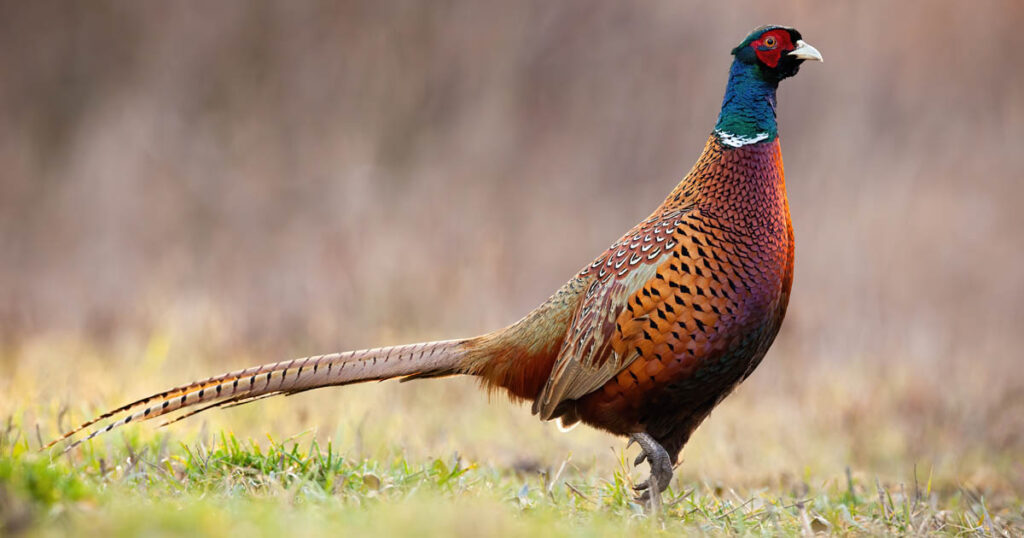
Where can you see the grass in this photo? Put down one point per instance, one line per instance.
(438, 458)
(232, 487)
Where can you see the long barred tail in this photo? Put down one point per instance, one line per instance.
(429, 359)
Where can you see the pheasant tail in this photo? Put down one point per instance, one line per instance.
(428, 359)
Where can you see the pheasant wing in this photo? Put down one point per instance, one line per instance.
(592, 352)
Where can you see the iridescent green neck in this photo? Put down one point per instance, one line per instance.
(748, 109)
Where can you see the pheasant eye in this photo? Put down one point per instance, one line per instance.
(770, 42)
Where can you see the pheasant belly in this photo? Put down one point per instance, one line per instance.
(669, 399)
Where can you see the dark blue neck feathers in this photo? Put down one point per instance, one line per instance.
(748, 109)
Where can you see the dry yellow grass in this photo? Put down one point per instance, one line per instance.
(777, 441)
(777, 430)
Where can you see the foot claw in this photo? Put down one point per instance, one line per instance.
(661, 469)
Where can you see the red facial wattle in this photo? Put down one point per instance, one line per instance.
(771, 46)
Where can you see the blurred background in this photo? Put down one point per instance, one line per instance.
(188, 187)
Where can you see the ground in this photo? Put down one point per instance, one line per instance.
(837, 451)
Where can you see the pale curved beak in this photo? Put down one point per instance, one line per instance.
(805, 51)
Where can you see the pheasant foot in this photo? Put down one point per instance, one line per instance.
(661, 470)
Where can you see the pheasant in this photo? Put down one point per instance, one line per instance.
(643, 342)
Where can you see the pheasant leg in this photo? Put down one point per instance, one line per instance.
(661, 469)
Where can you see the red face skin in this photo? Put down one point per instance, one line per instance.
(771, 45)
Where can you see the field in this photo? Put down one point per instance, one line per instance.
(436, 457)
(187, 192)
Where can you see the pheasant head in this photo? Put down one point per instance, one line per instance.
(768, 55)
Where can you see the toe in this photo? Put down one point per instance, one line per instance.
(664, 477)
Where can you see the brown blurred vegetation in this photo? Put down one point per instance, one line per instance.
(299, 177)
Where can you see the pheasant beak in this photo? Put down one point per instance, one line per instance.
(804, 51)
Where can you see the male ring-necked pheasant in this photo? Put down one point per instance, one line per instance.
(644, 341)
